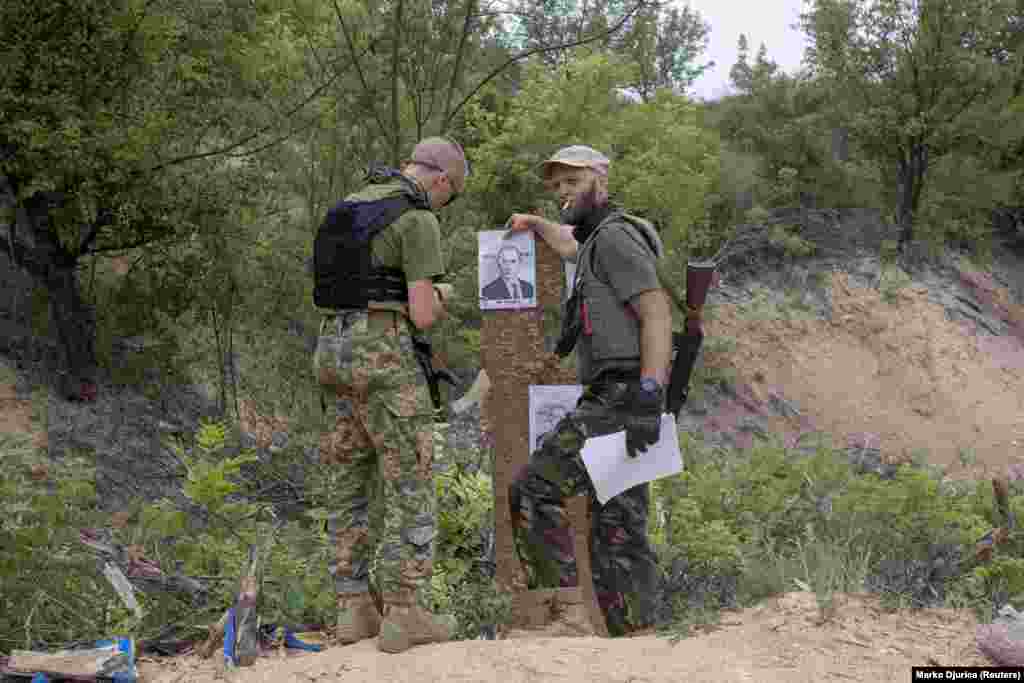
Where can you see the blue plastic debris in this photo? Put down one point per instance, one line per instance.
(229, 640)
(126, 673)
(40, 678)
(292, 641)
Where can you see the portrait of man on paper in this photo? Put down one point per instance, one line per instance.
(507, 270)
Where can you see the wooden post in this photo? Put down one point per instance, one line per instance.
(514, 350)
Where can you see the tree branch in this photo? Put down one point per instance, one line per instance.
(359, 69)
(457, 69)
(540, 50)
(235, 145)
(273, 143)
(396, 122)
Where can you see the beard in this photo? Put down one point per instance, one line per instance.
(582, 205)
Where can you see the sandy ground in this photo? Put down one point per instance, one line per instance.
(782, 640)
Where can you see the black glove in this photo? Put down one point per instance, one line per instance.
(643, 418)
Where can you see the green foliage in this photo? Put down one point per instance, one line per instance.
(466, 503)
(759, 513)
(52, 591)
(711, 547)
(664, 162)
(908, 94)
(986, 587)
(784, 237)
(955, 208)
(210, 482)
(891, 280)
(555, 107)
(667, 176)
(465, 514)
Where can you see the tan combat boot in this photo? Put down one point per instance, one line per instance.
(406, 624)
(358, 617)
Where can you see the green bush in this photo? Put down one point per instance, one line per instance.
(789, 521)
(52, 591)
(461, 588)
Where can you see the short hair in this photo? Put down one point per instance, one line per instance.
(508, 247)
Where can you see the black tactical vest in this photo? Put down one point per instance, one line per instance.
(344, 272)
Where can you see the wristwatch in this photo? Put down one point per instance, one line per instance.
(649, 385)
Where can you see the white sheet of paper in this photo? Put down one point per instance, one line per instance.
(612, 470)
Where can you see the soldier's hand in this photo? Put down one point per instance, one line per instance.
(446, 291)
(519, 222)
(643, 420)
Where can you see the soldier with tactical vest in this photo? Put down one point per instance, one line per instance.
(620, 322)
(376, 258)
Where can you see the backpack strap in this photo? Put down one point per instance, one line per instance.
(663, 278)
(631, 222)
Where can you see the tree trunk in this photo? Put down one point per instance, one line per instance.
(911, 174)
(75, 324)
(35, 249)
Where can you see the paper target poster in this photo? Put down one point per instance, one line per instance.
(508, 270)
(549, 403)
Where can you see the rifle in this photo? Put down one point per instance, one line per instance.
(685, 348)
(686, 345)
(425, 356)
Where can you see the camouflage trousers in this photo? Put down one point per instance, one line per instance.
(623, 561)
(376, 452)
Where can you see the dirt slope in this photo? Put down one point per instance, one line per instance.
(900, 374)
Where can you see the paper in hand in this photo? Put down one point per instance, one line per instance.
(611, 469)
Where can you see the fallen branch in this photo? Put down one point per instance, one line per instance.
(142, 573)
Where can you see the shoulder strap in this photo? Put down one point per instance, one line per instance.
(637, 224)
(631, 221)
(369, 218)
(659, 268)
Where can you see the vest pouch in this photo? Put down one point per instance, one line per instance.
(572, 325)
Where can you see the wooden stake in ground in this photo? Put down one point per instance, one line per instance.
(514, 354)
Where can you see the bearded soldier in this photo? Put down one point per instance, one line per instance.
(376, 259)
(620, 322)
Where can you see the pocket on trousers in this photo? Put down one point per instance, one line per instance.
(409, 400)
(332, 360)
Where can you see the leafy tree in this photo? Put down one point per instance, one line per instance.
(741, 75)
(122, 125)
(665, 162)
(666, 45)
(423, 65)
(908, 71)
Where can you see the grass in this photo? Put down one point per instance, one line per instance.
(767, 498)
(892, 280)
